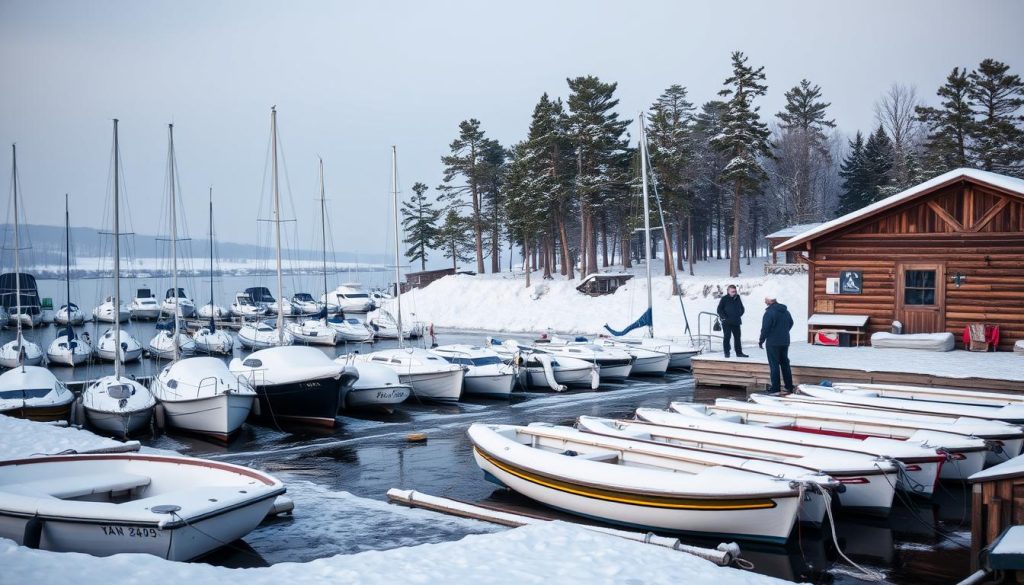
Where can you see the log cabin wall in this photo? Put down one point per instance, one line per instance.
(966, 228)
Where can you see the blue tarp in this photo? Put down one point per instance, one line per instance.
(645, 320)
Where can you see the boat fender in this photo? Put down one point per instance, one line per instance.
(256, 411)
(33, 532)
(78, 412)
(159, 416)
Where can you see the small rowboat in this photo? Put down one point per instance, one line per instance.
(953, 395)
(177, 508)
(565, 470)
(1009, 413)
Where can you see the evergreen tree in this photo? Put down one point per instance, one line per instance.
(419, 220)
(997, 136)
(710, 195)
(455, 237)
(744, 140)
(878, 166)
(600, 148)
(855, 180)
(949, 126)
(803, 124)
(492, 177)
(671, 147)
(466, 161)
(526, 203)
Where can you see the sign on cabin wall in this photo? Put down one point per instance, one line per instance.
(851, 282)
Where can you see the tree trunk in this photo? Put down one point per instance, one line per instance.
(627, 247)
(666, 240)
(495, 243)
(591, 244)
(689, 247)
(567, 270)
(734, 260)
(526, 259)
(680, 242)
(549, 257)
(477, 224)
(604, 242)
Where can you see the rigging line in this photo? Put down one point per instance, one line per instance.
(661, 215)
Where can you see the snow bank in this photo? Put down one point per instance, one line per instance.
(549, 553)
(502, 303)
(24, 438)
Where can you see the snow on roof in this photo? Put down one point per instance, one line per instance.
(1013, 467)
(793, 230)
(1003, 182)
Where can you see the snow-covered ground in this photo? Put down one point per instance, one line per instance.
(501, 302)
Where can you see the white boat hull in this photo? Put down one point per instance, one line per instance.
(218, 416)
(384, 397)
(650, 365)
(497, 386)
(10, 355)
(218, 342)
(59, 353)
(615, 373)
(438, 387)
(120, 424)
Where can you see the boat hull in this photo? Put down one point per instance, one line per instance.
(128, 356)
(68, 358)
(217, 416)
(48, 413)
(771, 523)
(495, 386)
(437, 387)
(615, 373)
(384, 398)
(650, 365)
(309, 402)
(119, 424)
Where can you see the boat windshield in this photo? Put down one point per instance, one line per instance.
(25, 393)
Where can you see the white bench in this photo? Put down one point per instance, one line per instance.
(855, 325)
(76, 486)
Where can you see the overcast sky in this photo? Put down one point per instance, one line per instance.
(350, 79)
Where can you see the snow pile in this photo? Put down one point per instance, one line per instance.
(500, 302)
(548, 553)
(21, 438)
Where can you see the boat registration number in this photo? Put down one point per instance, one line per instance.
(386, 394)
(129, 531)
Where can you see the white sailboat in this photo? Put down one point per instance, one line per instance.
(317, 330)
(646, 348)
(486, 373)
(110, 311)
(19, 351)
(67, 348)
(117, 404)
(144, 305)
(431, 377)
(378, 387)
(546, 371)
(350, 297)
(209, 339)
(350, 329)
(201, 395)
(244, 307)
(170, 342)
(261, 335)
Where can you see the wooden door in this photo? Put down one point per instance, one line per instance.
(921, 297)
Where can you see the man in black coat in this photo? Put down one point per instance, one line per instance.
(730, 309)
(775, 326)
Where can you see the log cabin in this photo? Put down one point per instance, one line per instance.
(937, 257)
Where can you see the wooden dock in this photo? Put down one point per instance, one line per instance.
(1003, 372)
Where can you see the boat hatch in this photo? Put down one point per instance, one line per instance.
(252, 363)
(120, 391)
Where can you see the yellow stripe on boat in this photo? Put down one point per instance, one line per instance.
(627, 498)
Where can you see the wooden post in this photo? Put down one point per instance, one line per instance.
(977, 524)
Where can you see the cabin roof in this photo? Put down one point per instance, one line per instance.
(793, 230)
(1002, 183)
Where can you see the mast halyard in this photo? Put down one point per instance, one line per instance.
(17, 260)
(213, 326)
(323, 233)
(647, 222)
(67, 264)
(398, 268)
(277, 228)
(117, 261)
(174, 236)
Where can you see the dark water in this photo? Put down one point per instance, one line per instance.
(339, 478)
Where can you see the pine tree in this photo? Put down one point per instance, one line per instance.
(878, 166)
(671, 148)
(526, 203)
(997, 136)
(455, 237)
(467, 161)
(803, 124)
(744, 140)
(419, 220)
(600, 148)
(709, 164)
(855, 180)
(949, 126)
(492, 177)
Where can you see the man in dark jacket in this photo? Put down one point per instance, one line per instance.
(730, 309)
(775, 326)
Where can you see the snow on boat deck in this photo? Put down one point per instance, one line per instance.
(24, 438)
(812, 363)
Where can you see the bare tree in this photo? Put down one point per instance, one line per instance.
(896, 112)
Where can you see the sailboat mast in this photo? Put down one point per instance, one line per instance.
(647, 220)
(323, 232)
(398, 268)
(67, 262)
(277, 228)
(17, 252)
(174, 233)
(212, 305)
(117, 262)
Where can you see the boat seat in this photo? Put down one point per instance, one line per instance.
(76, 486)
(600, 457)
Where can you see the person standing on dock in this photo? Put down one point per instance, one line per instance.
(730, 311)
(775, 326)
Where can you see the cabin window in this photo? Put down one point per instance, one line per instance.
(252, 363)
(919, 287)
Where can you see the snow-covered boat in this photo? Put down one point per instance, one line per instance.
(131, 349)
(118, 405)
(950, 395)
(178, 304)
(646, 361)
(566, 471)
(295, 384)
(305, 304)
(869, 482)
(920, 460)
(430, 375)
(350, 297)
(384, 326)
(967, 451)
(614, 364)
(68, 349)
(34, 393)
(350, 329)
(210, 340)
(165, 345)
(19, 295)
(177, 508)
(69, 314)
(144, 305)
(378, 387)
(105, 312)
(261, 296)
(263, 334)
(313, 332)
(543, 370)
(201, 395)
(680, 352)
(486, 373)
(244, 307)
(1011, 413)
(20, 351)
(211, 311)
